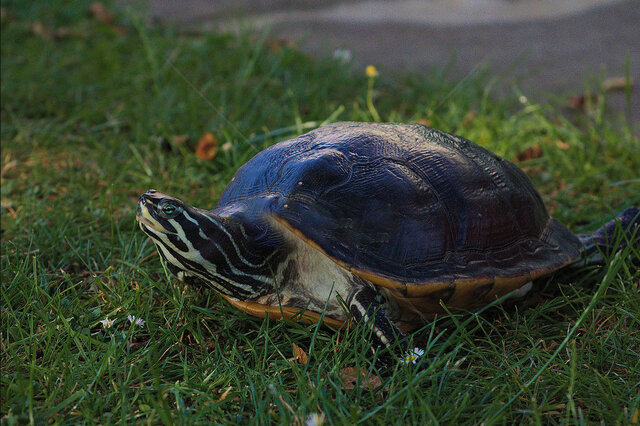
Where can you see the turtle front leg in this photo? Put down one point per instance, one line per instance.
(368, 307)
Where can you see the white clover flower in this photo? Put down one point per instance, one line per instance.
(412, 356)
(314, 419)
(139, 321)
(107, 323)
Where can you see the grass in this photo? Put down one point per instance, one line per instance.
(86, 117)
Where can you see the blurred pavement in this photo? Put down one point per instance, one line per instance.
(546, 47)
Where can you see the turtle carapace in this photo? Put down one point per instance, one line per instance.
(393, 219)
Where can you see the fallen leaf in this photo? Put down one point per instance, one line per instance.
(300, 354)
(530, 153)
(350, 377)
(562, 145)
(616, 83)
(424, 122)
(100, 13)
(225, 394)
(634, 417)
(207, 147)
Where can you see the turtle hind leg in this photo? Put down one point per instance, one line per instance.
(607, 240)
(367, 307)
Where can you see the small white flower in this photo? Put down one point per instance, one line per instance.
(412, 356)
(314, 419)
(107, 323)
(226, 147)
(139, 321)
(342, 55)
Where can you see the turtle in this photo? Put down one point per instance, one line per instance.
(385, 224)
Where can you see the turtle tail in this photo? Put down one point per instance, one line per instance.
(614, 236)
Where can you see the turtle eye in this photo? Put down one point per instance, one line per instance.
(169, 210)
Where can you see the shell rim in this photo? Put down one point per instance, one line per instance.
(303, 316)
(420, 289)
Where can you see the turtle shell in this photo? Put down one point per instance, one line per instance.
(407, 207)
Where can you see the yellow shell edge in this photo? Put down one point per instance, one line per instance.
(279, 312)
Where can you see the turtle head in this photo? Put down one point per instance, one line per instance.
(156, 211)
(174, 227)
(201, 247)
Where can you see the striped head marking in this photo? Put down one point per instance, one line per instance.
(202, 247)
(171, 224)
(156, 212)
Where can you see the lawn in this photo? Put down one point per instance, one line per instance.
(96, 112)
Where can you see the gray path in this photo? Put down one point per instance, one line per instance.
(547, 48)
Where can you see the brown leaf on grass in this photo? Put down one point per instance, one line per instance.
(300, 354)
(562, 145)
(350, 377)
(616, 83)
(100, 13)
(207, 147)
(225, 394)
(529, 154)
